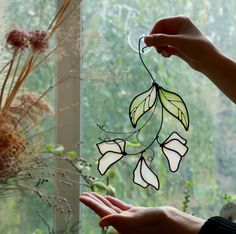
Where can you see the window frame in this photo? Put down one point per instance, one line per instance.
(68, 117)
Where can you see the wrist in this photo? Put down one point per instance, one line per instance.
(184, 223)
(191, 224)
(211, 61)
(221, 71)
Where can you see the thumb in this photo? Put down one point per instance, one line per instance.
(163, 40)
(115, 220)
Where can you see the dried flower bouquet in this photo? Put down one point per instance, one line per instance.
(22, 164)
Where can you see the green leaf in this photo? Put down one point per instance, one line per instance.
(111, 191)
(54, 149)
(142, 103)
(175, 105)
(71, 154)
(111, 173)
(99, 186)
(58, 149)
(48, 149)
(79, 166)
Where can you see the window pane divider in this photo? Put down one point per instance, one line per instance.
(68, 115)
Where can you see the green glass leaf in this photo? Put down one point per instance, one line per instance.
(175, 105)
(142, 103)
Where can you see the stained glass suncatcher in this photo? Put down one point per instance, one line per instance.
(174, 148)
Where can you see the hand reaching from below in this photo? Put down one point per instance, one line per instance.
(128, 219)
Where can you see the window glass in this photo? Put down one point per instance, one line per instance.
(113, 75)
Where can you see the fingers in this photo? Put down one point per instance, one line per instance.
(118, 203)
(166, 45)
(119, 221)
(169, 25)
(107, 202)
(96, 205)
(167, 51)
(111, 210)
(158, 40)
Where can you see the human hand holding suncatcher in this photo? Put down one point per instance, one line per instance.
(179, 36)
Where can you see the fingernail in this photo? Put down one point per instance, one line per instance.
(165, 54)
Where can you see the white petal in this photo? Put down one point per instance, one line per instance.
(137, 175)
(109, 146)
(175, 135)
(176, 145)
(121, 143)
(148, 176)
(108, 160)
(173, 159)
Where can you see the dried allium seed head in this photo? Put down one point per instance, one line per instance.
(18, 39)
(38, 40)
(28, 106)
(12, 145)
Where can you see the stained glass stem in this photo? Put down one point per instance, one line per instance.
(140, 51)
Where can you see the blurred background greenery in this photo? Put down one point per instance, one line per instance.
(208, 170)
(111, 76)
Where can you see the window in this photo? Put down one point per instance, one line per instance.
(104, 76)
(110, 83)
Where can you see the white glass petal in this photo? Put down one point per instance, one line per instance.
(121, 143)
(177, 146)
(174, 135)
(148, 176)
(109, 146)
(137, 175)
(107, 160)
(173, 159)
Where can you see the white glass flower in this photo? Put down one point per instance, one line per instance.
(174, 148)
(144, 176)
(111, 151)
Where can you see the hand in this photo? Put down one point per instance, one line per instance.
(128, 219)
(179, 36)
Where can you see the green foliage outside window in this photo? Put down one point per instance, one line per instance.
(118, 75)
(111, 75)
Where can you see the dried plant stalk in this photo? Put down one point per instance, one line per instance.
(17, 109)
